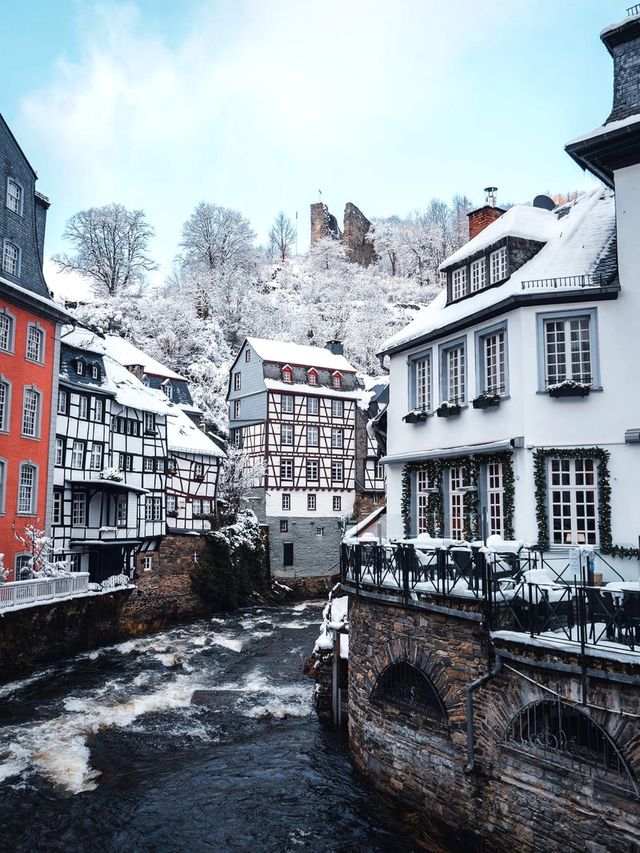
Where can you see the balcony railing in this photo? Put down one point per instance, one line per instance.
(633, 10)
(23, 593)
(571, 282)
(522, 593)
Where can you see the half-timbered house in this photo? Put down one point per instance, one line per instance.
(295, 409)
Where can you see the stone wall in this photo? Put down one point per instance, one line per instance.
(511, 800)
(354, 236)
(323, 223)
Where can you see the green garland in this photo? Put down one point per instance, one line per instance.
(471, 463)
(540, 457)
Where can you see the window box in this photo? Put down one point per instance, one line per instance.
(569, 388)
(448, 410)
(486, 401)
(416, 416)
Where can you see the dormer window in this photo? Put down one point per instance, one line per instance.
(336, 381)
(498, 265)
(167, 387)
(95, 371)
(312, 376)
(459, 283)
(478, 274)
(287, 374)
(79, 367)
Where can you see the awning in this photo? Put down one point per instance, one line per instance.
(105, 543)
(460, 450)
(99, 483)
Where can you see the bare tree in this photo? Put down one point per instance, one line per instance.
(281, 237)
(217, 238)
(110, 248)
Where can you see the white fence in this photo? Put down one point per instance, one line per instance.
(20, 593)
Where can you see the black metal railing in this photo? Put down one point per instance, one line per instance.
(525, 592)
(567, 281)
(633, 10)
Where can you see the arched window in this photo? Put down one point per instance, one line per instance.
(27, 489)
(287, 374)
(336, 380)
(565, 736)
(35, 343)
(7, 330)
(312, 376)
(407, 688)
(31, 405)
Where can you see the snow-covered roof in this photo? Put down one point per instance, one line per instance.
(284, 352)
(127, 353)
(312, 390)
(610, 127)
(529, 223)
(583, 236)
(131, 392)
(183, 436)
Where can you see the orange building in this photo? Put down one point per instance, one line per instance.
(29, 354)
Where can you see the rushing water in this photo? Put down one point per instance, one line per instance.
(106, 752)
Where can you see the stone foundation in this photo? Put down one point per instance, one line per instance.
(512, 800)
(305, 588)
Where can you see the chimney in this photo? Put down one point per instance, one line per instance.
(137, 370)
(335, 347)
(622, 40)
(483, 216)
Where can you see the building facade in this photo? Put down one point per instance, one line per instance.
(295, 410)
(29, 344)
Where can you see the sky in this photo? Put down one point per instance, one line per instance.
(259, 105)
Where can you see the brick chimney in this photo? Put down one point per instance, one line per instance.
(335, 347)
(137, 370)
(622, 40)
(483, 216)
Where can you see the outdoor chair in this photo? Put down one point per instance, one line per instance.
(602, 608)
(630, 617)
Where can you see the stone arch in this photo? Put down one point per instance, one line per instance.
(407, 688)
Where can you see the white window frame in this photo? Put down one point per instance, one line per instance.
(478, 275)
(313, 430)
(63, 395)
(33, 486)
(83, 407)
(337, 408)
(39, 356)
(423, 519)
(337, 437)
(98, 409)
(237, 381)
(15, 202)
(59, 455)
(11, 259)
(147, 563)
(313, 470)
(286, 404)
(494, 486)
(247, 355)
(78, 447)
(5, 404)
(313, 405)
(312, 503)
(459, 283)
(79, 509)
(147, 465)
(57, 511)
(286, 434)
(567, 318)
(488, 367)
(498, 265)
(448, 362)
(237, 406)
(171, 503)
(7, 340)
(337, 471)
(286, 465)
(4, 467)
(122, 510)
(566, 492)
(421, 373)
(287, 374)
(150, 423)
(336, 380)
(456, 478)
(337, 503)
(30, 392)
(286, 502)
(312, 376)
(198, 471)
(97, 455)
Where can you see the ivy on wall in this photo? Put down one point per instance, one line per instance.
(540, 458)
(472, 464)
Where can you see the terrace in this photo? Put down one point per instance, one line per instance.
(517, 592)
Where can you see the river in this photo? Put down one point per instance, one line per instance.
(105, 751)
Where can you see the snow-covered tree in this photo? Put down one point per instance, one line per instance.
(238, 477)
(41, 562)
(4, 572)
(110, 248)
(282, 237)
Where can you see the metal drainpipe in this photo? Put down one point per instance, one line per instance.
(471, 688)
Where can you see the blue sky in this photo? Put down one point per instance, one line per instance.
(258, 104)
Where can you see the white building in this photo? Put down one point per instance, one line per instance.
(514, 403)
(296, 409)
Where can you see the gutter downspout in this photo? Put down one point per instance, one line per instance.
(471, 688)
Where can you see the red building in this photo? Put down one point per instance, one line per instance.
(29, 354)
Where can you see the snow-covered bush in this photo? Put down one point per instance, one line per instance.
(4, 573)
(41, 562)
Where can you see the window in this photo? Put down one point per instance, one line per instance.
(167, 387)
(4, 405)
(478, 274)
(247, 355)
(319, 531)
(153, 509)
(63, 402)
(3, 485)
(311, 503)
(337, 472)
(31, 413)
(147, 464)
(59, 451)
(77, 454)
(172, 464)
(198, 471)
(407, 688)
(237, 380)
(457, 481)
(79, 367)
(206, 507)
(313, 405)
(6, 331)
(132, 427)
(23, 570)
(312, 436)
(498, 265)
(83, 407)
(121, 511)
(378, 470)
(149, 422)
(572, 501)
(287, 553)
(237, 405)
(196, 506)
(95, 371)
(286, 469)
(453, 374)
(27, 484)
(98, 409)
(312, 469)
(424, 519)
(79, 509)
(286, 502)
(160, 464)
(312, 376)
(125, 461)
(459, 283)
(35, 343)
(493, 363)
(286, 433)
(337, 408)
(284, 526)
(11, 259)
(287, 403)
(422, 382)
(337, 503)
(14, 196)
(147, 563)
(495, 498)
(336, 381)
(57, 506)
(171, 503)
(287, 374)
(568, 350)
(336, 437)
